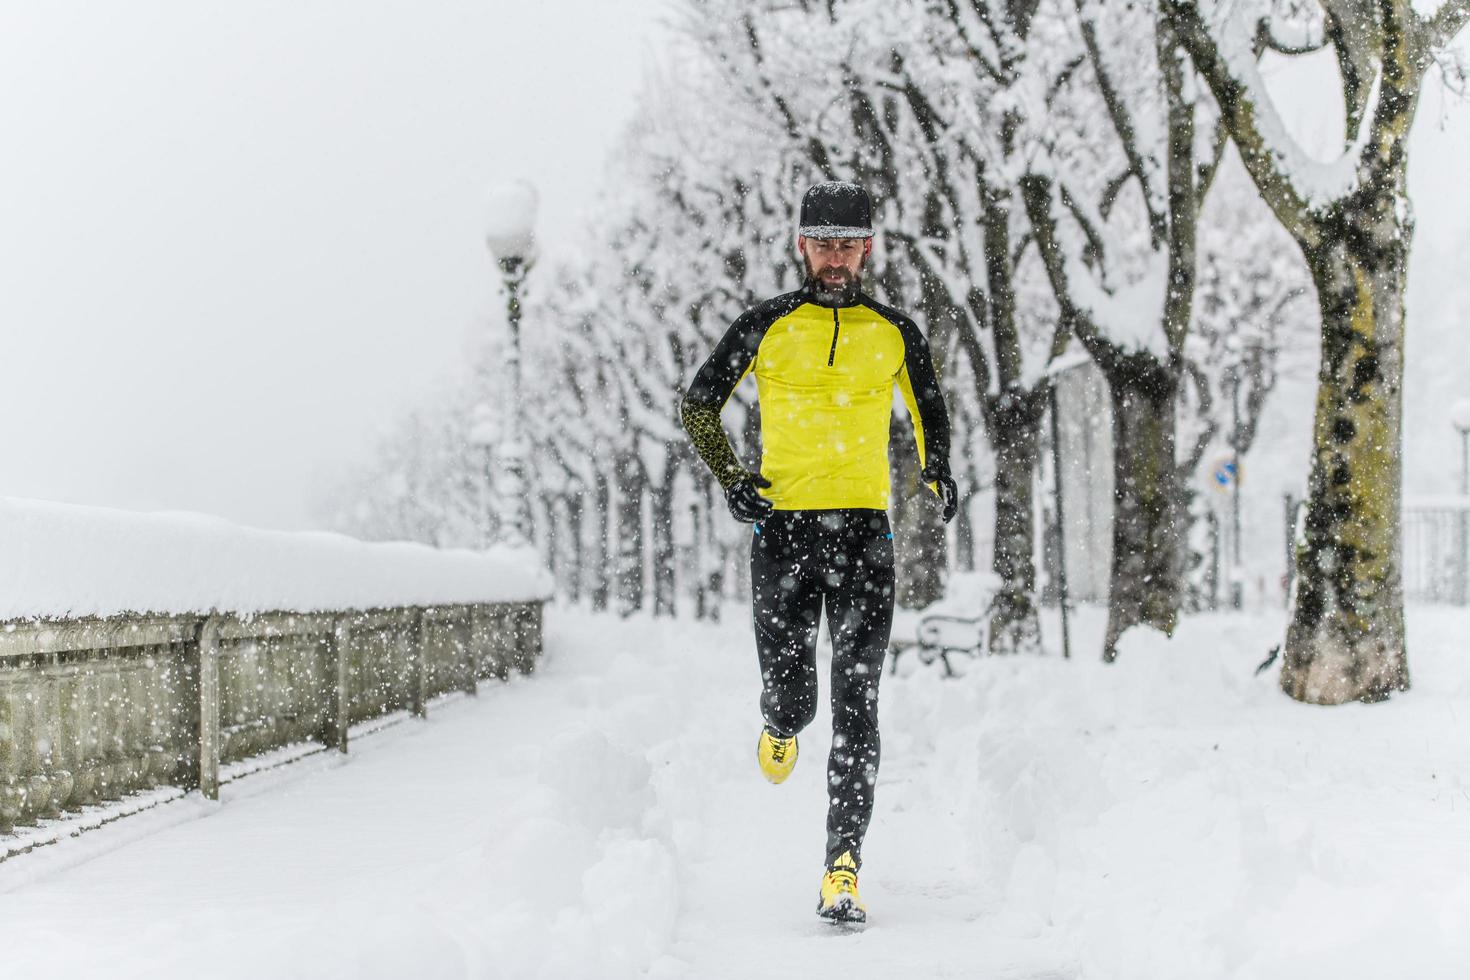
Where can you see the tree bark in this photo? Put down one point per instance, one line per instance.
(551, 531)
(661, 503)
(1014, 425)
(714, 552)
(1345, 641)
(1146, 581)
(1148, 519)
(919, 542)
(632, 482)
(576, 558)
(601, 560)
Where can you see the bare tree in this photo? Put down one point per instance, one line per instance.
(1248, 328)
(1353, 222)
(1110, 290)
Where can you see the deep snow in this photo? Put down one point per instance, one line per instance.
(1170, 816)
(64, 560)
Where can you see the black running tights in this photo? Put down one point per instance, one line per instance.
(798, 561)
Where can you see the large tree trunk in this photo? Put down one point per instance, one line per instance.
(601, 585)
(550, 523)
(632, 482)
(713, 551)
(1146, 587)
(1345, 641)
(576, 560)
(665, 578)
(919, 543)
(1014, 425)
(695, 560)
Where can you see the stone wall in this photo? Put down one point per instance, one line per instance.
(94, 710)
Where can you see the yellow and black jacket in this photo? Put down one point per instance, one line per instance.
(824, 374)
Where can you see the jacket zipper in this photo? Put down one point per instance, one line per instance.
(836, 325)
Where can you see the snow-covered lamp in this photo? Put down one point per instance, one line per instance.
(510, 235)
(1460, 414)
(484, 429)
(510, 221)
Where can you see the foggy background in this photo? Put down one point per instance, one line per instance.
(238, 241)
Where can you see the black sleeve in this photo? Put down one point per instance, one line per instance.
(711, 388)
(728, 362)
(923, 385)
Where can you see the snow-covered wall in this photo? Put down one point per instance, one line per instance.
(148, 651)
(64, 561)
(95, 712)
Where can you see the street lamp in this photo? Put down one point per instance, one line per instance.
(510, 236)
(484, 435)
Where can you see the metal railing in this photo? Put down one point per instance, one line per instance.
(1436, 551)
(93, 711)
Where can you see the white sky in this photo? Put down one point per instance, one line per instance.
(238, 239)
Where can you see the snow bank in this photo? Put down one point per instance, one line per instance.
(63, 561)
(1169, 816)
(1174, 815)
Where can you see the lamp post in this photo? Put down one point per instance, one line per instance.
(1460, 418)
(484, 435)
(510, 237)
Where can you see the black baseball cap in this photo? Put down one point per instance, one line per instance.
(836, 209)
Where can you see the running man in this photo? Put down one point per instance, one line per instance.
(825, 360)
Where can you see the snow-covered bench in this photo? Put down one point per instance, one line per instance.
(938, 637)
(949, 628)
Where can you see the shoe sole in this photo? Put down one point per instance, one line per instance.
(776, 780)
(843, 913)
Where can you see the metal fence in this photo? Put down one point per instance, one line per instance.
(1435, 554)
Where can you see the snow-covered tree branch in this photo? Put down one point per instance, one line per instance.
(1353, 223)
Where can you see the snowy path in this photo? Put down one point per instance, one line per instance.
(1172, 816)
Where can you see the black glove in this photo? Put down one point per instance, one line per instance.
(746, 504)
(944, 485)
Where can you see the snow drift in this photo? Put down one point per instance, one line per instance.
(61, 560)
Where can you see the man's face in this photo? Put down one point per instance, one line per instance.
(834, 262)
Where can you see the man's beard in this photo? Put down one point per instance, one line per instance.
(843, 292)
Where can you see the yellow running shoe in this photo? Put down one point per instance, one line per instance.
(839, 901)
(776, 755)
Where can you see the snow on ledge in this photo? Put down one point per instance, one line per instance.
(66, 561)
